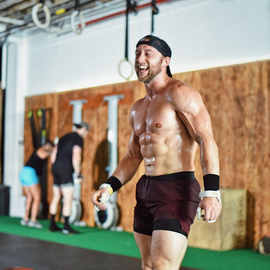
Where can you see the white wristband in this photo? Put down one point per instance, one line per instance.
(211, 193)
(108, 187)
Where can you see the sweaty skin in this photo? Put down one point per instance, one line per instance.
(167, 126)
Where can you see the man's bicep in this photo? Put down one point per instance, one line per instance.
(134, 147)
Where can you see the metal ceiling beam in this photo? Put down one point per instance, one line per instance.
(18, 10)
(11, 21)
(9, 3)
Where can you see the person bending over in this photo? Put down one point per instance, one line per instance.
(66, 159)
(167, 125)
(31, 187)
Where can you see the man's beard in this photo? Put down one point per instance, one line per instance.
(151, 75)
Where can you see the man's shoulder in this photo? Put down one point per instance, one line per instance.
(177, 87)
(69, 136)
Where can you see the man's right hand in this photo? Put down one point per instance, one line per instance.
(100, 198)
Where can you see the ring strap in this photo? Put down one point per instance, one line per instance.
(211, 193)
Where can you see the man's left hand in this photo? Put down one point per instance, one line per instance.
(212, 209)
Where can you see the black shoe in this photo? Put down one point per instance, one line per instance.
(69, 231)
(54, 228)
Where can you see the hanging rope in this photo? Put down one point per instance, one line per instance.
(131, 6)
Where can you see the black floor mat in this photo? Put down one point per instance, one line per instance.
(42, 255)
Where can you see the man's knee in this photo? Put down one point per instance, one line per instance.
(147, 266)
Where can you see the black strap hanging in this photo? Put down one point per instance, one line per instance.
(131, 6)
(77, 5)
(35, 134)
(39, 139)
(154, 12)
(43, 131)
(39, 135)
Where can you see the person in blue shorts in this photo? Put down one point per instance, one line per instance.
(31, 187)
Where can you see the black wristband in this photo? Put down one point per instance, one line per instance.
(211, 182)
(115, 183)
(79, 175)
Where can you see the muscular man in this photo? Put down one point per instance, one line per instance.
(66, 159)
(29, 179)
(167, 125)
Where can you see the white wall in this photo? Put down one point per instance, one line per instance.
(14, 122)
(201, 34)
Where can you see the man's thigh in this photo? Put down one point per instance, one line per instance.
(167, 249)
(143, 242)
(67, 191)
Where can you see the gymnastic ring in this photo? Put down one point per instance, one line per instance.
(72, 21)
(119, 68)
(112, 215)
(35, 16)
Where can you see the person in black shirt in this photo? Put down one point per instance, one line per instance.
(29, 179)
(66, 159)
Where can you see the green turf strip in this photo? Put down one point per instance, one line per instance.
(123, 243)
(238, 259)
(91, 238)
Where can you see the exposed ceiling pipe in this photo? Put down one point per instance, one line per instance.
(11, 21)
(67, 30)
(123, 12)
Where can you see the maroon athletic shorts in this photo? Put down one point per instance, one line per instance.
(166, 202)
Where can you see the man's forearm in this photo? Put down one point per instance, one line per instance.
(209, 157)
(76, 162)
(126, 168)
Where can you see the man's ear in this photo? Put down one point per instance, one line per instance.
(167, 60)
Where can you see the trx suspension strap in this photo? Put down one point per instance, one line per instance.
(35, 135)
(39, 138)
(42, 113)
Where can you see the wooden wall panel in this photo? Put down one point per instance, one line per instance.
(95, 152)
(237, 98)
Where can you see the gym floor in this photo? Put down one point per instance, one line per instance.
(37, 254)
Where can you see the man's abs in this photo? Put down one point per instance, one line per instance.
(167, 153)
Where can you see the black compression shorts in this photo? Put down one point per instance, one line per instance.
(62, 175)
(166, 202)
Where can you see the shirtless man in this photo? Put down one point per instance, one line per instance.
(167, 125)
